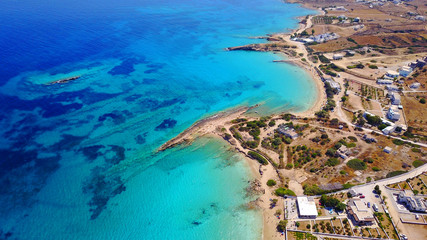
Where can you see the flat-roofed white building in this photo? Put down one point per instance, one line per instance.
(337, 56)
(392, 88)
(405, 71)
(384, 81)
(395, 98)
(415, 204)
(415, 85)
(392, 74)
(306, 207)
(360, 213)
(393, 114)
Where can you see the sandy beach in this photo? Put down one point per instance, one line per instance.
(218, 126)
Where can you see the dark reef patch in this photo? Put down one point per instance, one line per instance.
(140, 139)
(154, 67)
(22, 180)
(100, 184)
(257, 85)
(67, 142)
(5, 235)
(92, 152)
(11, 159)
(119, 154)
(126, 67)
(53, 105)
(152, 104)
(133, 97)
(103, 188)
(117, 116)
(167, 123)
(149, 81)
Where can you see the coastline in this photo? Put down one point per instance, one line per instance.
(218, 126)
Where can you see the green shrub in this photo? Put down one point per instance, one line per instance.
(417, 150)
(353, 139)
(271, 183)
(417, 163)
(284, 191)
(311, 190)
(324, 59)
(376, 169)
(332, 162)
(258, 157)
(398, 142)
(356, 164)
(395, 173)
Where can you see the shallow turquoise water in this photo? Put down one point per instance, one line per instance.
(79, 161)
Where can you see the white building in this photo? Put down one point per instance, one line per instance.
(416, 204)
(387, 149)
(334, 84)
(361, 214)
(405, 71)
(287, 131)
(393, 114)
(392, 88)
(384, 81)
(388, 130)
(415, 85)
(306, 207)
(395, 98)
(421, 18)
(392, 74)
(337, 56)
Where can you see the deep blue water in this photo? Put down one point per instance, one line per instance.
(79, 161)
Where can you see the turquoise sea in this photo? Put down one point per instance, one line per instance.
(79, 160)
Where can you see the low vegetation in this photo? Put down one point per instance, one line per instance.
(356, 164)
(258, 157)
(284, 192)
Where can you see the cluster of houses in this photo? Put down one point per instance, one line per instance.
(318, 38)
(414, 204)
(356, 208)
(392, 114)
(376, 3)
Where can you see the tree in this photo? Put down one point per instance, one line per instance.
(312, 31)
(377, 190)
(281, 227)
(340, 207)
(271, 182)
(297, 224)
(422, 100)
(360, 122)
(373, 120)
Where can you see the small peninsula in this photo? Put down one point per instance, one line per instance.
(341, 168)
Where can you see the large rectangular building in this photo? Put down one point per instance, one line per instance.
(306, 207)
(360, 213)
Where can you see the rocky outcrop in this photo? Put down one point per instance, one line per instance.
(255, 188)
